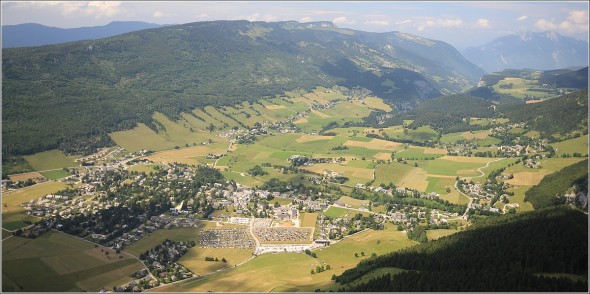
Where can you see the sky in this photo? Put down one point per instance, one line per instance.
(460, 23)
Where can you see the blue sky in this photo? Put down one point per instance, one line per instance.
(461, 24)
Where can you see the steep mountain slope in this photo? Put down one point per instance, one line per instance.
(543, 51)
(503, 253)
(32, 34)
(557, 184)
(80, 90)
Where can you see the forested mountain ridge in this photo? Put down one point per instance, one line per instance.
(81, 90)
(505, 253)
(33, 34)
(559, 115)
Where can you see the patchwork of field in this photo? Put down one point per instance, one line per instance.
(190, 155)
(520, 88)
(183, 133)
(482, 138)
(57, 262)
(13, 216)
(52, 159)
(420, 153)
(420, 134)
(268, 273)
(157, 237)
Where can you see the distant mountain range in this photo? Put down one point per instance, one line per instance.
(541, 51)
(32, 34)
(85, 88)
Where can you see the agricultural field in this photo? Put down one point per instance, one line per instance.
(181, 133)
(308, 219)
(25, 176)
(420, 134)
(420, 153)
(56, 174)
(57, 262)
(482, 138)
(13, 216)
(440, 185)
(52, 159)
(354, 203)
(576, 145)
(194, 259)
(522, 87)
(335, 212)
(190, 155)
(267, 273)
(402, 175)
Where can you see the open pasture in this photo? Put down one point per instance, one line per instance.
(59, 262)
(267, 273)
(52, 159)
(188, 155)
(308, 219)
(355, 174)
(419, 153)
(440, 185)
(55, 174)
(576, 145)
(375, 144)
(402, 175)
(194, 259)
(354, 203)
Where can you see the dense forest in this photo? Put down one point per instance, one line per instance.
(69, 95)
(566, 78)
(451, 113)
(560, 115)
(504, 253)
(557, 184)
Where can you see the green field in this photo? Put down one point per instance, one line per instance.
(55, 174)
(52, 159)
(56, 262)
(435, 234)
(440, 185)
(194, 259)
(182, 133)
(576, 145)
(268, 273)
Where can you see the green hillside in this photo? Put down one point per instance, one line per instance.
(544, 194)
(559, 115)
(504, 253)
(70, 95)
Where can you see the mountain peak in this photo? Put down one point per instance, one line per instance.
(536, 50)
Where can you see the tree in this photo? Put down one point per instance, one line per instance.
(223, 260)
(312, 272)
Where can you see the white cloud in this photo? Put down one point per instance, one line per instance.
(377, 22)
(158, 14)
(103, 8)
(343, 20)
(482, 22)
(522, 17)
(578, 16)
(422, 23)
(403, 22)
(259, 17)
(306, 19)
(545, 25)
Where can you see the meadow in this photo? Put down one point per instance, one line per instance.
(268, 273)
(576, 145)
(57, 262)
(52, 159)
